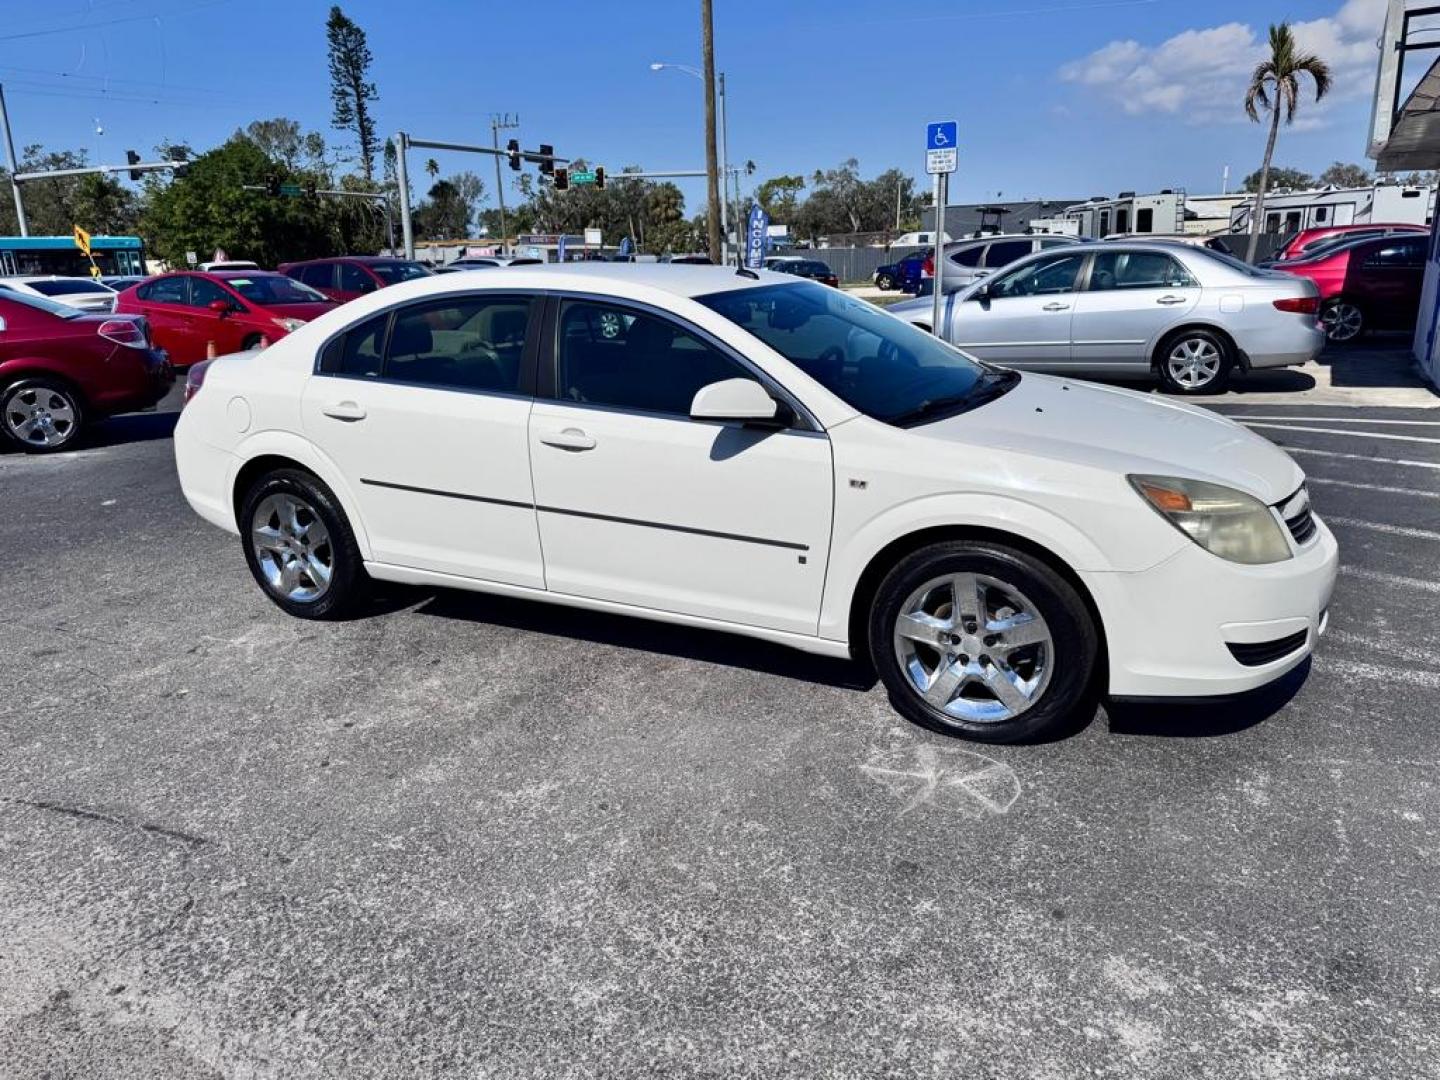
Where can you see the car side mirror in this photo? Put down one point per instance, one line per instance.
(221, 307)
(981, 293)
(734, 399)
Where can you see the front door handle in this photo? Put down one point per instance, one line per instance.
(570, 439)
(1052, 306)
(344, 410)
(1171, 300)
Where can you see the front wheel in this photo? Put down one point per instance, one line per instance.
(299, 546)
(982, 641)
(40, 415)
(1195, 362)
(1342, 321)
(885, 282)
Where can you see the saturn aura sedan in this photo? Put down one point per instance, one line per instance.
(759, 454)
(1189, 315)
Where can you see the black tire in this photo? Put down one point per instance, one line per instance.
(1343, 321)
(1074, 639)
(62, 407)
(1198, 339)
(348, 585)
(885, 282)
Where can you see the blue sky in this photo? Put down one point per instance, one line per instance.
(1054, 97)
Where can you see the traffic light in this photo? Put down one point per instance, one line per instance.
(562, 179)
(512, 151)
(132, 158)
(547, 159)
(599, 177)
(311, 188)
(272, 186)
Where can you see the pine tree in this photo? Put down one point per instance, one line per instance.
(350, 88)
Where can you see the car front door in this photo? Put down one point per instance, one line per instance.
(1020, 317)
(425, 409)
(1131, 298)
(1389, 282)
(224, 330)
(641, 505)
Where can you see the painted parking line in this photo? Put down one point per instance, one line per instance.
(1380, 577)
(1247, 417)
(1358, 457)
(1380, 526)
(1352, 434)
(1379, 488)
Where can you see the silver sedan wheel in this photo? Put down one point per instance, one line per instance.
(1193, 362)
(974, 648)
(1341, 321)
(292, 547)
(40, 416)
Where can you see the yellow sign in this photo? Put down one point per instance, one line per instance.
(82, 240)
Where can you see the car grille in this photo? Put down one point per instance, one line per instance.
(1298, 517)
(1254, 654)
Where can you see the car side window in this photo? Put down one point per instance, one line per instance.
(1137, 270)
(166, 290)
(321, 276)
(359, 351)
(1005, 252)
(464, 342)
(204, 292)
(969, 256)
(353, 279)
(1043, 277)
(617, 356)
(1406, 254)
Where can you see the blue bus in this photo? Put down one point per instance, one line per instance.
(115, 255)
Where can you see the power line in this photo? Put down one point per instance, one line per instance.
(197, 5)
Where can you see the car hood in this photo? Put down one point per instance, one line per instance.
(1124, 431)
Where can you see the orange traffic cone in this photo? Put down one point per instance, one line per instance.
(264, 342)
(209, 350)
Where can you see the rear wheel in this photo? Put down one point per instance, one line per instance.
(885, 281)
(982, 641)
(1342, 321)
(40, 415)
(1195, 362)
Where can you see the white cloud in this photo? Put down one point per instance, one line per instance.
(1201, 74)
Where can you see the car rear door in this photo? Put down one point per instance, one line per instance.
(321, 277)
(1130, 298)
(355, 281)
(425, 408)
(165, 303)
(639, 504)
(1021, 317)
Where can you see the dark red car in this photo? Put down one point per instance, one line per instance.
(1368, 285)
(1307, 240)
(346, 278)
(61, 368)
(233, 309)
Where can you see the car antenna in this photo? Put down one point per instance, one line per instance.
(745, 271)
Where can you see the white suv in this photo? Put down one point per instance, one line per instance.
(764, 455)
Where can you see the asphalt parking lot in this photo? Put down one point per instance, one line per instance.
(472, 837)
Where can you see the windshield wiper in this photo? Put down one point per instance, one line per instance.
(990, 385)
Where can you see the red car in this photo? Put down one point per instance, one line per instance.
(61, 368)
(1308, 239)
(233, 309)
(1368, 285)
(346, 278)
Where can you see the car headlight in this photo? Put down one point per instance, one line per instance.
(289, 324)
(1223, 521)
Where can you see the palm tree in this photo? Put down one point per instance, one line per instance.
(433, 168)
(1275, 88)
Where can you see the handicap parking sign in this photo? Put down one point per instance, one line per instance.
(942, 136)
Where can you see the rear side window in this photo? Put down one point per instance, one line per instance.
(165, 290)
(353, 279)
(1005, 252)
(358, 352)
(1405, 254)
(465, 342)
(969, 256)
(320, 276)
(1137, 270)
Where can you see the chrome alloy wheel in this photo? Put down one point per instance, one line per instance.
(39, 416)
(974, 648)
(292, 547)
(1193, 362)
(1341, 321)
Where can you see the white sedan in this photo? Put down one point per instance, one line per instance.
(763, 455)
(85, 294)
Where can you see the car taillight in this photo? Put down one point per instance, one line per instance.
(195, 379)
(928, 267)
(125, 332)
(1301, 305)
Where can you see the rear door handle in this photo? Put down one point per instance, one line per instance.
(344, 410)
(569, 439)
(1055, 307)
(1171, 300)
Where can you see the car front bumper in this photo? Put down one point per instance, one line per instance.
(1170, 630)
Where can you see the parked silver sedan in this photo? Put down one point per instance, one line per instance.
(1189, 315)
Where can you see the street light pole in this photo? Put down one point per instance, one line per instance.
(10, 159)
(725, 203)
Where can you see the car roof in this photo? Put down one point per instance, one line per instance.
(679, 279)
(226, 275)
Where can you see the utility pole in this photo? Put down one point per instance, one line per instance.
(498, 124)
(10, 160)
(724, 177)
(407, 234)
(712, 165)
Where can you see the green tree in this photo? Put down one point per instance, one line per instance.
(1341, 175)
(1280, 177)
(1275, 88)
(98, 204)
(779, 197)
(351, 91)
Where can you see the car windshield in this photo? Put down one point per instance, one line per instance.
(885, 368)
(271, 289)
(393, 272)
(53, 307)
(69, 287)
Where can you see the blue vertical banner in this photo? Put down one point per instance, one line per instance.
(626, 246)
(560, 249)
(756, 237)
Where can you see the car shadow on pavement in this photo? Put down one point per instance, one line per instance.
(1202, 719)
(131, 427)
(1380, 360)
(689, 643)
(1274, 381)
